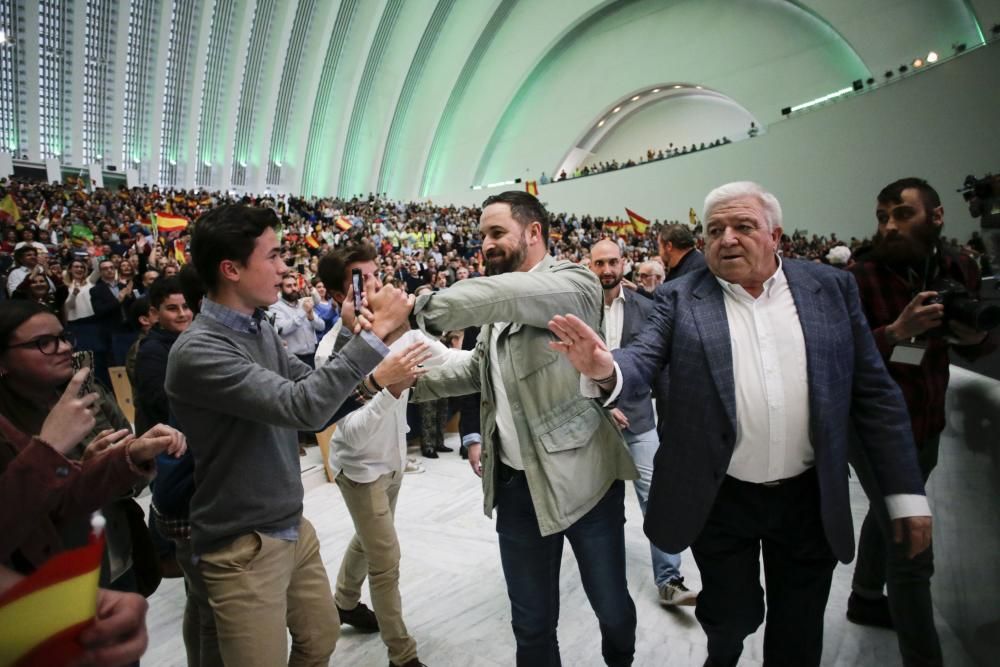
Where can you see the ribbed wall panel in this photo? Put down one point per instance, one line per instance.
(394, 141)
(55, 84)
(349, 163)
(250, 90)
(217, 68)
(443, 132)
(140, 62)
(98, 79)
(11, 80)
(301, 32)
(315, 149)
(177, 91)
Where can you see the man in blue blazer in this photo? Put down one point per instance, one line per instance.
(771, 364)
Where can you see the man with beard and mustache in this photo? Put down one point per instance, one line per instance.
(624, 316)
(552, 461)
(296, 321)
(896, 282)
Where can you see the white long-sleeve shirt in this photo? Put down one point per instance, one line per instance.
(79, 307)
(295, 327)
(371, 441)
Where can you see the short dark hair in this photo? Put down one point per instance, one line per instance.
(139, 308)
(162, 288)
(332, 269)
(524, 208)
(191, 285)
(227, 232)
(893, 193)
(677, 235)
(19, 253)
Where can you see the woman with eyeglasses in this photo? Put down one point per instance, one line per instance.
(63, 454)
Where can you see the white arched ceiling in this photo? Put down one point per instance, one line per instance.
(683, 117)
(418, 97)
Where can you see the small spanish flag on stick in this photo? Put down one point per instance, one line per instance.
(639, 223)
(42, 616)
(164, 223)
(531, 187)
(343, 224)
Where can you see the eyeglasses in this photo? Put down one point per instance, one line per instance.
(49, 343)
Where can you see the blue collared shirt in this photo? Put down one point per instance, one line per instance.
(232, 319)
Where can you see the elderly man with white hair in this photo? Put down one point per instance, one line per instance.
(771, 366)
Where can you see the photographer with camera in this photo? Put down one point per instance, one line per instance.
(920, 299)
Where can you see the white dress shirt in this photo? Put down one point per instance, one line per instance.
(510, 449)
(772, 388)
(614, 320)
(78, 307)
(371, 441)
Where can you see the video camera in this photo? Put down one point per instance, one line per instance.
(983, 196)
(961, 306)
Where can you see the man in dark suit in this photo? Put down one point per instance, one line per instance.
(625, 314)
(678, 252)
(107, 297)
(771, 364)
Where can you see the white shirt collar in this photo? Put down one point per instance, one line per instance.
(736, 290)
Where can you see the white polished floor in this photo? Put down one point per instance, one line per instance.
(456, 607)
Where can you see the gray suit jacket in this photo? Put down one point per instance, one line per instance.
(638, 409)
(687, 338)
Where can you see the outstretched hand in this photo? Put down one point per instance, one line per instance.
(582, 346)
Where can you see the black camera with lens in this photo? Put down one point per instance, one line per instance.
(961, 306)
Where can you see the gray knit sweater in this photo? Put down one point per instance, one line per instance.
(240, 398)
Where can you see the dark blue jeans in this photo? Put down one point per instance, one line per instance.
(531, 568)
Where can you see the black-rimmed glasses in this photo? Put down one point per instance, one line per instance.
(49, 343)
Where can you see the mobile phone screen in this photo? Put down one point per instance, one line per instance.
(359, 287)
(85, 359)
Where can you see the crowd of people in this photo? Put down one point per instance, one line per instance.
(650, 156)
(578, 357)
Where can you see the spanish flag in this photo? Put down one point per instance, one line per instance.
(343, 224)
(312, 242)
(531, 187)
(164, 223)
(42, 616)
(639, 223)
(179, 255)
(9, 206)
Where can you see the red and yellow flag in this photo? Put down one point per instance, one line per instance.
(179, 255)
(343, 224)
(165, 223)
(42, 616)
(531, 187)
(312, 242)
(639, 223)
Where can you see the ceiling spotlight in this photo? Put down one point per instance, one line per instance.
(616, 110)
(888, 74)
(3, 37)
(635, 98)
(676, 87)
(698, 87)
(918, 62)
(870, 81)
(995, 29)
(173, 163)
(959, 48)
(656, 90)
(903, 69)
(932, 57)
(601, 124)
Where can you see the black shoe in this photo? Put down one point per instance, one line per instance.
(413, 662)
(360, 618)
(429, 453)
(442, 448)
(869, 612)
(463, 451)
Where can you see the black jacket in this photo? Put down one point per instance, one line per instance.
(151, 406)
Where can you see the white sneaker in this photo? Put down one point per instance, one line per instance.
(674, 593)
(413, 467)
